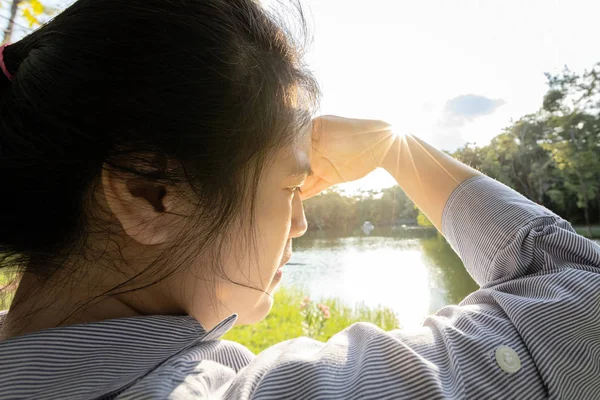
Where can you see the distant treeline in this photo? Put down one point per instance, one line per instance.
(551, 156)
(336, 211)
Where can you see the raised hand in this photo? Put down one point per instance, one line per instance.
(344, 150)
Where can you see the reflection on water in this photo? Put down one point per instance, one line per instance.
(415, 277)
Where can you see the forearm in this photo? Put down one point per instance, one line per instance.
(427, 175)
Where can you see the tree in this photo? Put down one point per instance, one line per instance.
(338, 212)
(31, 10)
(516, 158)
(396, 206)
(331, 210)
(574, 145)
(569, 91)
(553, 155)
(470, 155)
(573, 104)
(422, 220)
(527, 166)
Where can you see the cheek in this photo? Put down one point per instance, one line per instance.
(253, 263)
(273, 231)
(256, 254)
(275, 218)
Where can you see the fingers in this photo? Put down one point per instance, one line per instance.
(349, 125)
(345, 149)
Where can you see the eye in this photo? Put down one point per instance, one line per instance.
(296, 189)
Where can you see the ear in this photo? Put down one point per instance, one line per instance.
(145, 209)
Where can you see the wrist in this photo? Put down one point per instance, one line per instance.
(392, 161)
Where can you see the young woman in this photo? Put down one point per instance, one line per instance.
(154, 157)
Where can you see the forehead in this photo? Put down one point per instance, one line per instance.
(295, 158)
(304, 136)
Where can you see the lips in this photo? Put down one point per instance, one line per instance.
(287, 254)
(285, 260)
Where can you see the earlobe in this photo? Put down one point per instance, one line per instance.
(140, 206)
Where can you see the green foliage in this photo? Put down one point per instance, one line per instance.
(552, 156)
(315, 316)
(6, 298)
(572, 108)
(8, 281)
(552, 100)
(517, 158)
(32, 9)
(285, 321)
(331, 210)
(588, 231)
(423, 221)
(337, 211)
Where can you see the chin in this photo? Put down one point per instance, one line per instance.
(258, 313)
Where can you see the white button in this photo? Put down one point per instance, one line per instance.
(508, 359)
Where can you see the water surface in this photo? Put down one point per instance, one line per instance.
(415, 277)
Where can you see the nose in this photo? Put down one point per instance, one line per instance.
(299, 224)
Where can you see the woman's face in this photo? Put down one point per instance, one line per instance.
(253, 261)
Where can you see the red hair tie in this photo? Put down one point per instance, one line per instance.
(2, 64)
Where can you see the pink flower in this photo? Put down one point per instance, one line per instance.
(304, 303)
(324, 310)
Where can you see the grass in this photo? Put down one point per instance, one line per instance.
(6, 291)
(285, 321)
(582, 230)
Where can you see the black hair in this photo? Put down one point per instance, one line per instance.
(213, 84)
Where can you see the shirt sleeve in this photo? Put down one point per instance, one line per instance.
(531, 332)
(500, 235)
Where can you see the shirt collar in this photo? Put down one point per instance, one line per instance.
(99, 357)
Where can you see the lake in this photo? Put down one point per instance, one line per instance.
(413, 276)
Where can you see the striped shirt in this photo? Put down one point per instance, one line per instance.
(531, 332)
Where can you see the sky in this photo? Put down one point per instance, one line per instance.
(448, 71)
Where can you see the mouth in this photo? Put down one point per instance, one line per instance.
(287, 254)
(285, 260)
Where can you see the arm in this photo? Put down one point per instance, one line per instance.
(499, 234)
(427, 175)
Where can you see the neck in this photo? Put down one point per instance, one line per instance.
(87, 293)
(39, 305)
